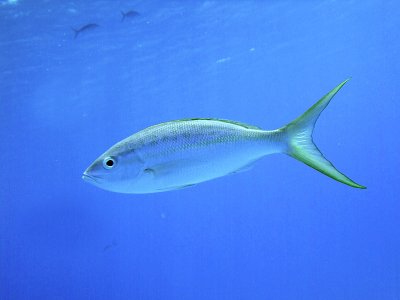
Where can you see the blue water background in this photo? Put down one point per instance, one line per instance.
(279, 231)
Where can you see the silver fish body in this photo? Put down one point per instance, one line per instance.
(182, 153)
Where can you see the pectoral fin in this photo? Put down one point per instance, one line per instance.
(166, 168)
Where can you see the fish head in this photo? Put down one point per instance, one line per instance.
(117, 170)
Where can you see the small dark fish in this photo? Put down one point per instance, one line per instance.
(86, 27)
(129, 14)
(109, 246)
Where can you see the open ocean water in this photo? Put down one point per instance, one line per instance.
(279, 231)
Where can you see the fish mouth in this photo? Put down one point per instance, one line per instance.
(89, 178)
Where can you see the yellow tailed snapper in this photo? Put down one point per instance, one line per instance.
(182, 153)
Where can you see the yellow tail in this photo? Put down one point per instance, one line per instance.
(301, 145)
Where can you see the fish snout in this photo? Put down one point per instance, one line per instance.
(88, 177)
(90, 174)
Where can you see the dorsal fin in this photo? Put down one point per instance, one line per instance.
(244, 125)
(248, 126)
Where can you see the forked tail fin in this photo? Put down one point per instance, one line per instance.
(301, 145)
(76, 32)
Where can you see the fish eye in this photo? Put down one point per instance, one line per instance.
(109, 163)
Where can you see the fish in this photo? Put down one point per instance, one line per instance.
(111, 245)
(182, 153)
(86, 27)
(129, 14)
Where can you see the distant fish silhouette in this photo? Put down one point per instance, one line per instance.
(86, 27)
(109, 246)
(129, 14)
